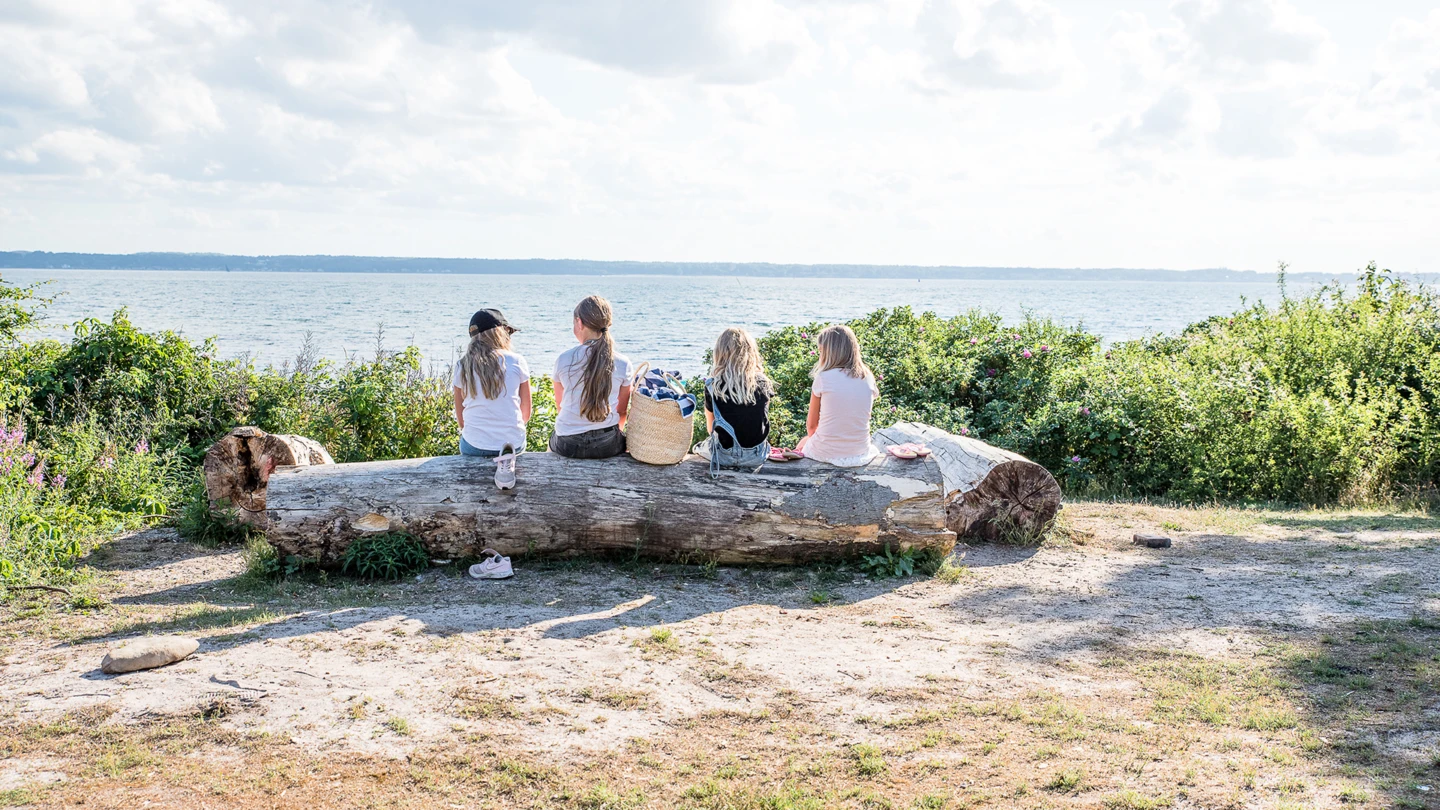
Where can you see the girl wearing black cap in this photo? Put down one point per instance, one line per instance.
(492, 395)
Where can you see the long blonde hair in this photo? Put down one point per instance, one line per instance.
(598, 375)
(839, 348)
(482, 368)
(737, 373)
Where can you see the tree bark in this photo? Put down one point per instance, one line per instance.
(991, 494)
(238, 467)
(784, 513)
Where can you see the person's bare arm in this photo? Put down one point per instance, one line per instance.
(812, 421)
(709, 421)
(526, 403)
(622, 407)
(460, 407)
(559, 394)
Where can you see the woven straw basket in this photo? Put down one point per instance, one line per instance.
(655, 432)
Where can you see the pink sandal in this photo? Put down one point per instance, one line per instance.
(779, 454)
(904, 451)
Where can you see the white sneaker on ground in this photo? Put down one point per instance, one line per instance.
(505, 468)
(492, 567)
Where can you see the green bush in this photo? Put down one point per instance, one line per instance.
(1328, 398)
(390, 555)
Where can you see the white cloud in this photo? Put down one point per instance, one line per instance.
(778, 130)
(727, 41)
(1013, 44)
(1252, 32)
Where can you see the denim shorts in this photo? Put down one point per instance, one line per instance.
(467, 449)
(601, 443)
(733, 458)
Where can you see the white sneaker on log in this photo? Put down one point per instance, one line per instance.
(492, 567)
(505, 468)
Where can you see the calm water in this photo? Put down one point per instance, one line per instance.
(669, 321)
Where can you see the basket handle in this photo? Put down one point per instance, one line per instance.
(639, 374)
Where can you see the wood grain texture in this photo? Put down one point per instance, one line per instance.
(785, 513)
(237, 468)
(991, 493)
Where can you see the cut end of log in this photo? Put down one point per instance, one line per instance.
(237, 468)
(992, 494)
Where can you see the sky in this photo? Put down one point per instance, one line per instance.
(1071, 133)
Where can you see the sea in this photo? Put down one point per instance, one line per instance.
(668, 321)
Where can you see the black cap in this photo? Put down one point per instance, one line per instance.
(487, 319)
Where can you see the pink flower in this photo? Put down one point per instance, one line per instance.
(880, 377)
(36, 478)
(106, 462)
(990, 372)
(805, 335)
(1026, 354)
(974, 341)
(142, 447)
(58, 481)
(27, 459)
(1084, 411)
(1044, 348)
(964, 431)
(1074, 459)
(1015, 336)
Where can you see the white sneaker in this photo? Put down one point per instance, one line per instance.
(492, 567)
(505, 468)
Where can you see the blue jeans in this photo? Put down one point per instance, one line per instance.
(467, 450)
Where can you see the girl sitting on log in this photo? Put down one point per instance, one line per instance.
(837, 429)
(736, 398)
(492, 395)
(592, 388)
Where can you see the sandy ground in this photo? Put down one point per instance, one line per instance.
(577, 658)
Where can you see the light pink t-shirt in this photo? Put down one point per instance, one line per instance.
(843, 436)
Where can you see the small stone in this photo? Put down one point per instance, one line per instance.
(1152, 540)
(148, 653)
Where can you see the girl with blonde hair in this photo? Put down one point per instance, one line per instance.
(837, 429)
(592, 387)
(737, 397)
(492, 395)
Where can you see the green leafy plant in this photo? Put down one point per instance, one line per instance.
(207, 525)
(890, 563)
(390, 555)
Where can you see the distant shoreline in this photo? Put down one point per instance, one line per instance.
(213, 262)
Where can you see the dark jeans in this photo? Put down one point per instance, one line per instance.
(602, 443)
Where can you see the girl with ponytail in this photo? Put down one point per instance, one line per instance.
(592, 387)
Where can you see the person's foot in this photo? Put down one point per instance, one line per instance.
(505, 468)
(492, 567)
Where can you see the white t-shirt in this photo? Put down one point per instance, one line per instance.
(843, 435)
(569, 368)
(490, 424)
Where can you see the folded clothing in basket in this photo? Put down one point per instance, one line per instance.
(659, 385)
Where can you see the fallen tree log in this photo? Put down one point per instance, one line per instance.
(784, 513)
(238, 467)
(990, 494)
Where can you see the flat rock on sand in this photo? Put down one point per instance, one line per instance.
(148, 653)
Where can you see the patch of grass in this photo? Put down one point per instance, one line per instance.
(1132, 800)
(604, 797)
(624, 699)
(869, 760)
(398, 724)
(192, 618)
(1066, 781)
(820, 596)
(1352, 793)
